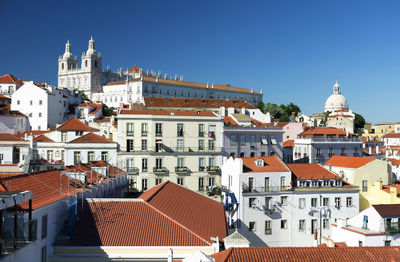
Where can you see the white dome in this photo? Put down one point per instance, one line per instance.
(336, 101)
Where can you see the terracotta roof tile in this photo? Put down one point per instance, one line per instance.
(388, 210)
(10, 79)
(392, 135)
(75, 125)
(395, 162)
(348, 161)
(96, 107)
(9, 137)
(386, 188)
(44, 185)
(91, 138)
(42, 138)
(324, 131)
(289, 143)
(229, 121)
(164, 112)
(309, 254)
(271, 164)
(33, 132)
(205, 103)
(203, 216)
(311, 171)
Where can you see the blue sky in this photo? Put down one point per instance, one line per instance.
(293, 50)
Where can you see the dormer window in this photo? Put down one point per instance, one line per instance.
(326, 183)
(260, 162)
(314, 183)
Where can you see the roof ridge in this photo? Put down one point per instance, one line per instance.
(156, 192)
(176, 222)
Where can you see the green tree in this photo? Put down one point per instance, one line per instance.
(84, 98)
(107, 111)
(359, 123)
(260, 105)
(284, 118)
(274, 110)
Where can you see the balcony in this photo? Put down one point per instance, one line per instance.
(392, 227)
(166, 149)
(247, 189)
(201, 134)
(181, 170)
(160, 171)
(129, 133)
(318, 156)
(45, 162)
(132, 171)
(213, 170)
(144, 133)
(158, 133)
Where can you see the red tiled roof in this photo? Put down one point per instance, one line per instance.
(271, 164)
(33, 132)
(392, 135)
(205, 103)
(199, 214)
(324, 131)
(386, 188)
(163, 112)
(91, 104)
(9, 137)
(134, 68)
(112, 170)
(388, 210)
(10, 79)
(348, 161)
(75, 125)
(395, 162)
(229, 121)
(289, 143)
(91, 138)
(44, 185)
(309, 254)
(311, 171)
(131, 223)
(42, 138)
(257, 123)
(91, 176)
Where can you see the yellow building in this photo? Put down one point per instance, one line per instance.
(362, 172)
(380, 129)
(381, 194)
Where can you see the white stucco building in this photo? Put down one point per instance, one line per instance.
(45, 106)
(343, 119)
(378, 225)
(9, 84)
(284, 205)
(336, 101)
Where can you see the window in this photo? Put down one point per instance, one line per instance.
(158, 129)
(144, 129)
(159, 163)
(241, 154)
(144, 164)
(325, 201)
(158, 181)
(268, 228)
(337, 202)
(211, 131)
(179, 130)
(252, 141)
(242, 140)
(201, 145)
(40, 114)
(211, 182)
(252, 226)
(302, 203)
(179, 145)
(283, 224)
(313, 226)
(40, 102)
(343, 151)
(252, 154)
(233, 140)
(284, 200)
(30, 115)
(129, 145)
(262, 153)
(62, 155)
(63, 136)
(201, 183)
(325, 223)
(144, 184)
(201, 130)
(314, 202)
(252, 202)
(129, 129)
(264, 140)
(104, 156)
(365, 185)
(302, 224)
(77, 157)
(211, 162)
(78, 133)
(144, 144)
(349, 201)
(44, 252)
(232, 154)
(268, 203)
(180, 181)
(318, 154)
(211, 145)
(201, 164)
(360, 243)
(283, 181)
(44, 226)
(158, 145)
(266, 184)
(31, 102)
(18, 102)
(273, 140)
(387, 243)
(330, 152)
(90, 156)
(180, 162)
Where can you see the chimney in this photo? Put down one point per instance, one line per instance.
(370, 150)
(315, 238)
(377, 149)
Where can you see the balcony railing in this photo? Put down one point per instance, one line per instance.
(392, 227)
(144, 133)
(46, 162)
(213, 169)
(181, 170)
(160, 170)
(167, 149)
(247, 189)
(132, 171)
(129, 133)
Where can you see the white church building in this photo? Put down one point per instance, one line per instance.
(131, 86)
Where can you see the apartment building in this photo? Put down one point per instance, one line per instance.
(184, 147)
(284, 205)
(317, 145)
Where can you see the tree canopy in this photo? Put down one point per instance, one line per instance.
(283, 112)
(359, 123)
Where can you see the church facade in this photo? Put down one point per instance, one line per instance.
(131, 86)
